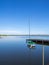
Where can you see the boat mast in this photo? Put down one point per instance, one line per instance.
(29, 27)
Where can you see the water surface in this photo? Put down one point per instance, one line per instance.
(14, 51)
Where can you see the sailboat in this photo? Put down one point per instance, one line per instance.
(30, 43)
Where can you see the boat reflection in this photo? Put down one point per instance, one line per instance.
(30, 45)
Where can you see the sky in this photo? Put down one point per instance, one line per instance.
(16, 14)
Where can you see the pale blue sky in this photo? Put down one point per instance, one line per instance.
(14, 16)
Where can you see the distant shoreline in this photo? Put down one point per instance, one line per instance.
(24, 35)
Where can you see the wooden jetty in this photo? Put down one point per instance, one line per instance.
(39, 41)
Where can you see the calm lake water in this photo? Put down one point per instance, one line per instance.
(14, 51)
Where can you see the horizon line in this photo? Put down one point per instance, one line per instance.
(24, 34)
